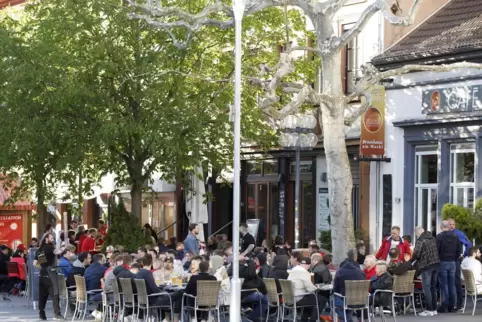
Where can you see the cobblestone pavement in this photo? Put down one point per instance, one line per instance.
(18, 310)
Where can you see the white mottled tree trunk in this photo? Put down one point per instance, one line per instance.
(338, 165)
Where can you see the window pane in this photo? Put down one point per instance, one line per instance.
(254, 167)
(470, 197)
(460, 197)
(308, 216)
(350, 81)
(465, 167)
(251, 201)
(426, 148)
(262, 213)
(274, 199)
(417, 210)
(462, 146)
(424, 209)
(433, 210)
(429, 169)
(270, 167)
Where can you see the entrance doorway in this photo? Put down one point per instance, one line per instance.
(262, 204)
(426, 178)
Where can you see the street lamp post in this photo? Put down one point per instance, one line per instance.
(298, 135)
(235, 308)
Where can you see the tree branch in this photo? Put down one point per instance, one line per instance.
(338, 43)
(355, 115)
(154, 15)
(373, 76)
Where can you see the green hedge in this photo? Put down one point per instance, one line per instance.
(467, 220)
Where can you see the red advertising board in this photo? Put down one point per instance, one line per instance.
(11, 230)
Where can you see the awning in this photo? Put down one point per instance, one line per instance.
(5, 194)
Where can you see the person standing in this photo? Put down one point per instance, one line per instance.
(48, 282)
(458, 272)
(449, 251)
(247, 239)
(427, 262)
(88, 244)
(392, 241)
(191, 243)
(102, 227)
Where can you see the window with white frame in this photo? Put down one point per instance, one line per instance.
(462, 174)
(426, 179)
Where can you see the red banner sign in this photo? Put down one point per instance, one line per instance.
(11, 230)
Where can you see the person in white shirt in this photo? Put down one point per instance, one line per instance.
(472, 264)
(304, 290)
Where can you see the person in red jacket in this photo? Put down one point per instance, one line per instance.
(392, 241)
(88, 245)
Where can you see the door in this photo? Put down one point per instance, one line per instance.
(427, 208)
(262, 204)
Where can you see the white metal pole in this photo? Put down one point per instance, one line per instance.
(235, 308)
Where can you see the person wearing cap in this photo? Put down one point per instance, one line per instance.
(305, 291)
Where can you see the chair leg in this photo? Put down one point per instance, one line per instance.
(413, 304)
(85, 312)
(465, 302)
(75, 311)
(475, 303)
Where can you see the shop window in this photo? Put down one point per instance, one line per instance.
(462, 174)
(270, 167)
(254, 167)
(426, 179)
(305, 167)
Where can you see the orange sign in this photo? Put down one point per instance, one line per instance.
(372, 139)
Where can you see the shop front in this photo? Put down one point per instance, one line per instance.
(268, 195)
(435, 148)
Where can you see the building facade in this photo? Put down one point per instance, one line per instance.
(433, 122)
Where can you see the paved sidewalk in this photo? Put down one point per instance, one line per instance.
(18, 310)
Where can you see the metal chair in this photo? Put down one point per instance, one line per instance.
(117, 300)
(82, 297)
(289, 300)
(207, 299)
(143, 300)
(470, 289)
(403, 288)
(356, 298)
(380, 307)
(128, 299)
(27, 281)
(273, 297)
(64, 292)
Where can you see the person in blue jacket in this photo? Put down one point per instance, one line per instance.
(349, 271)
(458, 281)
(65, 263)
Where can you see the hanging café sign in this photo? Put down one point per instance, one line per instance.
(372, 138)
(452, 100)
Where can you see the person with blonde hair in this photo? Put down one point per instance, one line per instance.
(370, 267)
